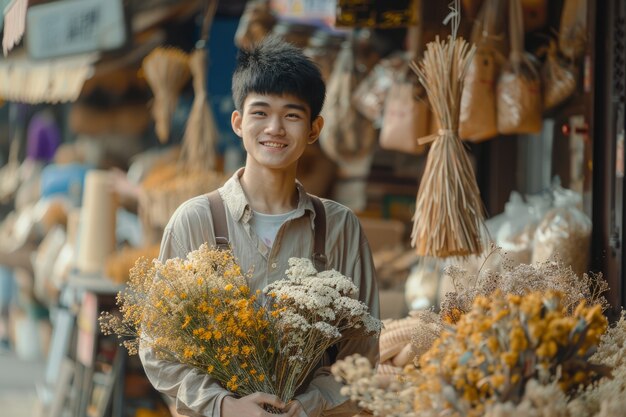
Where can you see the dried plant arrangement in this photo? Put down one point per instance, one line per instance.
(550, 275)
(167, 71)
(449, 212)
(504, 342)
(202, 312)
(528, 341)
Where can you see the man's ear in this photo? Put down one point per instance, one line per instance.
(316, 128)
(235, 121)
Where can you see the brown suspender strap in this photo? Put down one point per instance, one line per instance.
(218, 215)
(319, 248)
(220, 227)
(321, 263)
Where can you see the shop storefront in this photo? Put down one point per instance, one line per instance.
(122, 111)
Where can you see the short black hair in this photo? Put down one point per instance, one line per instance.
(277, 67)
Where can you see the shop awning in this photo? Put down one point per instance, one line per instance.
(52, 81)
(60, 78)
(14, 24)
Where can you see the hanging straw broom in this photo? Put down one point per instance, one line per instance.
(198, 150)
(449, 212)
(167, 71)
(194, 172)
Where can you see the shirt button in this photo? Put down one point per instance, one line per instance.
(274, 265)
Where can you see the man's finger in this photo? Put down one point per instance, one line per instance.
(293, 408)
(263, 398)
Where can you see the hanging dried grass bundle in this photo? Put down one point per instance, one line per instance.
(449, 211)
(194, 172)
(198, 152)
(167, 71)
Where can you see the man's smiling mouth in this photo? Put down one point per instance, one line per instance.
(274, 144)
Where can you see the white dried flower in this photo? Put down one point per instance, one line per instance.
(328, 330)
(539, 401)
(300, 268)
(379, 394)
(294, 321)
(316, 310)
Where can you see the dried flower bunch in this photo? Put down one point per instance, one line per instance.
(312, 311)
(200, 311)
(528, 341)
(505, 341)
(609, 394)
(602, 399)
(518, 280)
(384, 396)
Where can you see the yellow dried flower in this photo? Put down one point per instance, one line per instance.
(232, 384)
(201, 312)
(485, 352)
(188, 353)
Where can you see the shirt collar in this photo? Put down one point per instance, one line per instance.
(238, 205)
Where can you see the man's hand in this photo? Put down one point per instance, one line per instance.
(252, 406)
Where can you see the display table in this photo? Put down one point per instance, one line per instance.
(88, 373)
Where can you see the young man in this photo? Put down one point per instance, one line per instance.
(278, 94)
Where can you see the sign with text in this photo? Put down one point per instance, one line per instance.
(70, 27)
(321, 10)
(377, 14)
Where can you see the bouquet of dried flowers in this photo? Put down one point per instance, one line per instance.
(504, 342)
(200, 311)
(527, 341)
(552, 275)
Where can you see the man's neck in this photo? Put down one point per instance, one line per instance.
(270, 191)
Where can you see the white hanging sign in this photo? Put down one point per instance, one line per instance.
(74, 26)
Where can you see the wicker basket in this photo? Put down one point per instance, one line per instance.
(166, 189)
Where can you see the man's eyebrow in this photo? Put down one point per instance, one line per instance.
(296, 107)
(288, 105)
(259, 103)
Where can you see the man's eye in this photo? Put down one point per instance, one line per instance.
(293, 115)
(258, 113)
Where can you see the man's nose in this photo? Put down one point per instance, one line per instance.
(275, 126)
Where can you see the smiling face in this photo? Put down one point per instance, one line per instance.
(275, 130)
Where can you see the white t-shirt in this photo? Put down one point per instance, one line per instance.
(266, 225)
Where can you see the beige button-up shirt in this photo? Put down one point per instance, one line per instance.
(347, 250)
